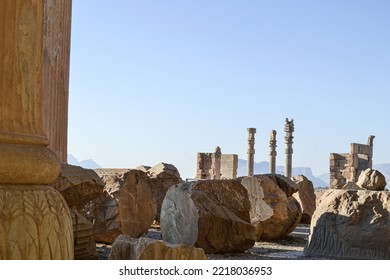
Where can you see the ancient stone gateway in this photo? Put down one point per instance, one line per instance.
(216, 165)
(36, 222)
(347, 167)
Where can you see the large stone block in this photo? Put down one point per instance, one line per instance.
(78, 185)
(128, 248)
(371, 179)
(260, 211)
(351, 224)
(128, 206)
(213, 215)
(306, 197)
(286, 209)
(163, 176)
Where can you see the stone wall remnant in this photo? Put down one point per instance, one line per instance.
(346, 167)
(216, 165)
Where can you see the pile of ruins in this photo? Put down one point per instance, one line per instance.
(52, 210)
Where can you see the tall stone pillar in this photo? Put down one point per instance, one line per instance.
(35, 220)
(216, 164)
(272, 153)
(289, 129)
(251, 150)
(56, 56)
(370, 143)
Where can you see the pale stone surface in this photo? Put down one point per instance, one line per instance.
(55, 86)
(352, 225)
(260, 210)
(251, 150)
(128, 206)
(84, 245)
(347, 167)
(306, 197)
(372, 180)
(35, 220)
(163, 176)
(128, 248)
(288, 129)
(78, 185)
(36, 224)
(286, 209)
(213, 215)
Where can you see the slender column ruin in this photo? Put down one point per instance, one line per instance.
(35, 220)
(370, 144)
(272, 153)
(251, 150)
(56, 56)
(289, 129)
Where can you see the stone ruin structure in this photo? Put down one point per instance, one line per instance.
(347, 167)
(36, 221)
(216, 165)
(251, 151)
(289, 129)
(272, 152)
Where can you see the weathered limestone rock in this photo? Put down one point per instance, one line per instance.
(306, 197)
(213, 215)
(163, 176)
(372, 180)
(35, 220)
(286, 209)
(84, 245)
(78, 185)
(128, 206)
(260, 210)
(128, 248)
(352, 225)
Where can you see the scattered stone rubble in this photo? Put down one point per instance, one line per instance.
(128, 248)
(211, 214)
(351, 224)
(128, 205)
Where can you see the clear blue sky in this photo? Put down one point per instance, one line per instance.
(156, 81)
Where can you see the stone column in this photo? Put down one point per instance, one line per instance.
(272, 153)
(56, 55)
(35, 220)
(289, 129)
(370, 143)
(251, 150)
(216, 164)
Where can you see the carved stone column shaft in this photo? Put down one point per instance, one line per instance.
(35, 221)
(251, 150)
(289, 129)
(272, 153)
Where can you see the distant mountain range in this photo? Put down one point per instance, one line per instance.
(263, 168)
(87, 163)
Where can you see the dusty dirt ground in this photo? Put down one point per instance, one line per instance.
(288, 248)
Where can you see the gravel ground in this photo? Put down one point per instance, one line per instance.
(288, 248)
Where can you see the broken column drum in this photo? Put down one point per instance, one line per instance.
(35, 220)
(289, 129)
(251, 150)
